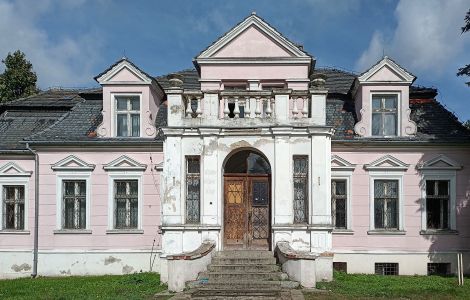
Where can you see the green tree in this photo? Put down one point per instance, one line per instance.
(18, 80)
(465, 71)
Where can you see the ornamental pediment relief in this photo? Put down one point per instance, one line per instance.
(440, 162)
(124, 163)
(11, 169)
(72, 163)
(338, 163)
(387, 163)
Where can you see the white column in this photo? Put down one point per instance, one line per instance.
(283, 202)
(176, 107)
(210, 180)
(173, 180)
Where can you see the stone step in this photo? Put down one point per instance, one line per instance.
(245, 254)
(237, 294)
(254, 276)
(218, 260)
(249, 268)
(250, 285)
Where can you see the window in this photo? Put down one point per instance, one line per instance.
(439, 269)
(126, 197)
(386, 204)
(340, 266)
(127, 109)
(300, 189)
(384, 115)
(437, 204)
(193, 189)
(338, 204)
(13, 207)
(74, 204)
(386, 269)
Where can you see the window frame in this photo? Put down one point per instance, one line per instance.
(112, 204)
(114, 113)
(398, 120)
(69, 176)
(186, 160)
(15, 182)
(384, 175)
(345, 176)
(451, 176)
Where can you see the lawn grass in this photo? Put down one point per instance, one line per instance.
(133, 286)
(359, 286)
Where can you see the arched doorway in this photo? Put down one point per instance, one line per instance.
(247, 201)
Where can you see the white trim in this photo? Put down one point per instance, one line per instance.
(343, 165)
(20, 172)
(113, 112)
(406, 77)
(395, 164)
(132, 165)
(345, 175)
(124, 64)
(252, 20)
(377, 175)
(63, 165)
(124, 176)
(15, 181)
(451, 176)
(60, 177)
(431, 164)
(399, 112)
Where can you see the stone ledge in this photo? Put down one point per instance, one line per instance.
(72, 231)
(286, 250)
(203, 250)
(439, 232)
(386, 232)
(6, 231)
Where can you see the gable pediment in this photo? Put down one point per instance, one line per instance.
(387, 163)
(338, 163)
(252, 38)
(124, 163)
(386, 70)
(11, 169)
(440, 162)
(124, 72)
(72, 163)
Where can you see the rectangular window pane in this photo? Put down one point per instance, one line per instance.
(376, 103)
(300, 178)
(13, 207)
(122, 125)
(386, 204)
(126, 204)
(74, 204)
(386, 268)
(437, 204)
(135, 119)
(338, 203)
(390, 124)
(193, 189)
(376, 124)
(135, 103)
(121, 104)
(390, 102)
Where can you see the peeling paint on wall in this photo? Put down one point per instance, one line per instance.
(127, 269)
(22, 267)
(111, 260)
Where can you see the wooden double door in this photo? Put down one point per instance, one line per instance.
(247, 212)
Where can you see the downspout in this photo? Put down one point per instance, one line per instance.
(36, 211)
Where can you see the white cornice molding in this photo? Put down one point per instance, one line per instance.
(5, 171)
(387, 163)
(405, 76)
(124, 163)
(106, 77)
(252, 20)
(342, 164)
(159, 166)
(72, 163)
(433, 164)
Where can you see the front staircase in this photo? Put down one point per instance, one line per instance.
(242, 274)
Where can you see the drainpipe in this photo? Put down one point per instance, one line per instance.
(36, 211)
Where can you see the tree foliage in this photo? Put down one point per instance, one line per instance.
(465, 71)
(18, 80)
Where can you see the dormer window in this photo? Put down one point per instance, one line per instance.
(384, 115)
(127, 112)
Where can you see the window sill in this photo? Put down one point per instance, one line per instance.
(72, 231)
(386, 232)
(8, 231)
(439, 232)
(124, 231)
(343, 231)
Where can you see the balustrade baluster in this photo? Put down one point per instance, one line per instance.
(226, 110)
(258, 108)
(236, 110)
(189, 111)
(199, 108)
(295, 110)
(268, 107)
(305, 107)
(247, 107)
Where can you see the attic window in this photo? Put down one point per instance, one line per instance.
(127, 115)
(384, 115)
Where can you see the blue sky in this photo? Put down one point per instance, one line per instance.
(71, 41)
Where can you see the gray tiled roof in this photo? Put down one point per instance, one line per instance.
(190, 79)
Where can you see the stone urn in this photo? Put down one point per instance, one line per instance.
(176, 80)
(318, 80)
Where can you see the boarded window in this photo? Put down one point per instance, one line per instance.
(442, 269)
(74, 204)
(13, 207)
(193, 189)
(437, 204)
(127, 116)
(386, 268)
(300, 189)
(384, 115)
(340, 266)
(126, 197)
(386, 204)
(338, 203)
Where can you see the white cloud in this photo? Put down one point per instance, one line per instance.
(66, 62)
(427, 37)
